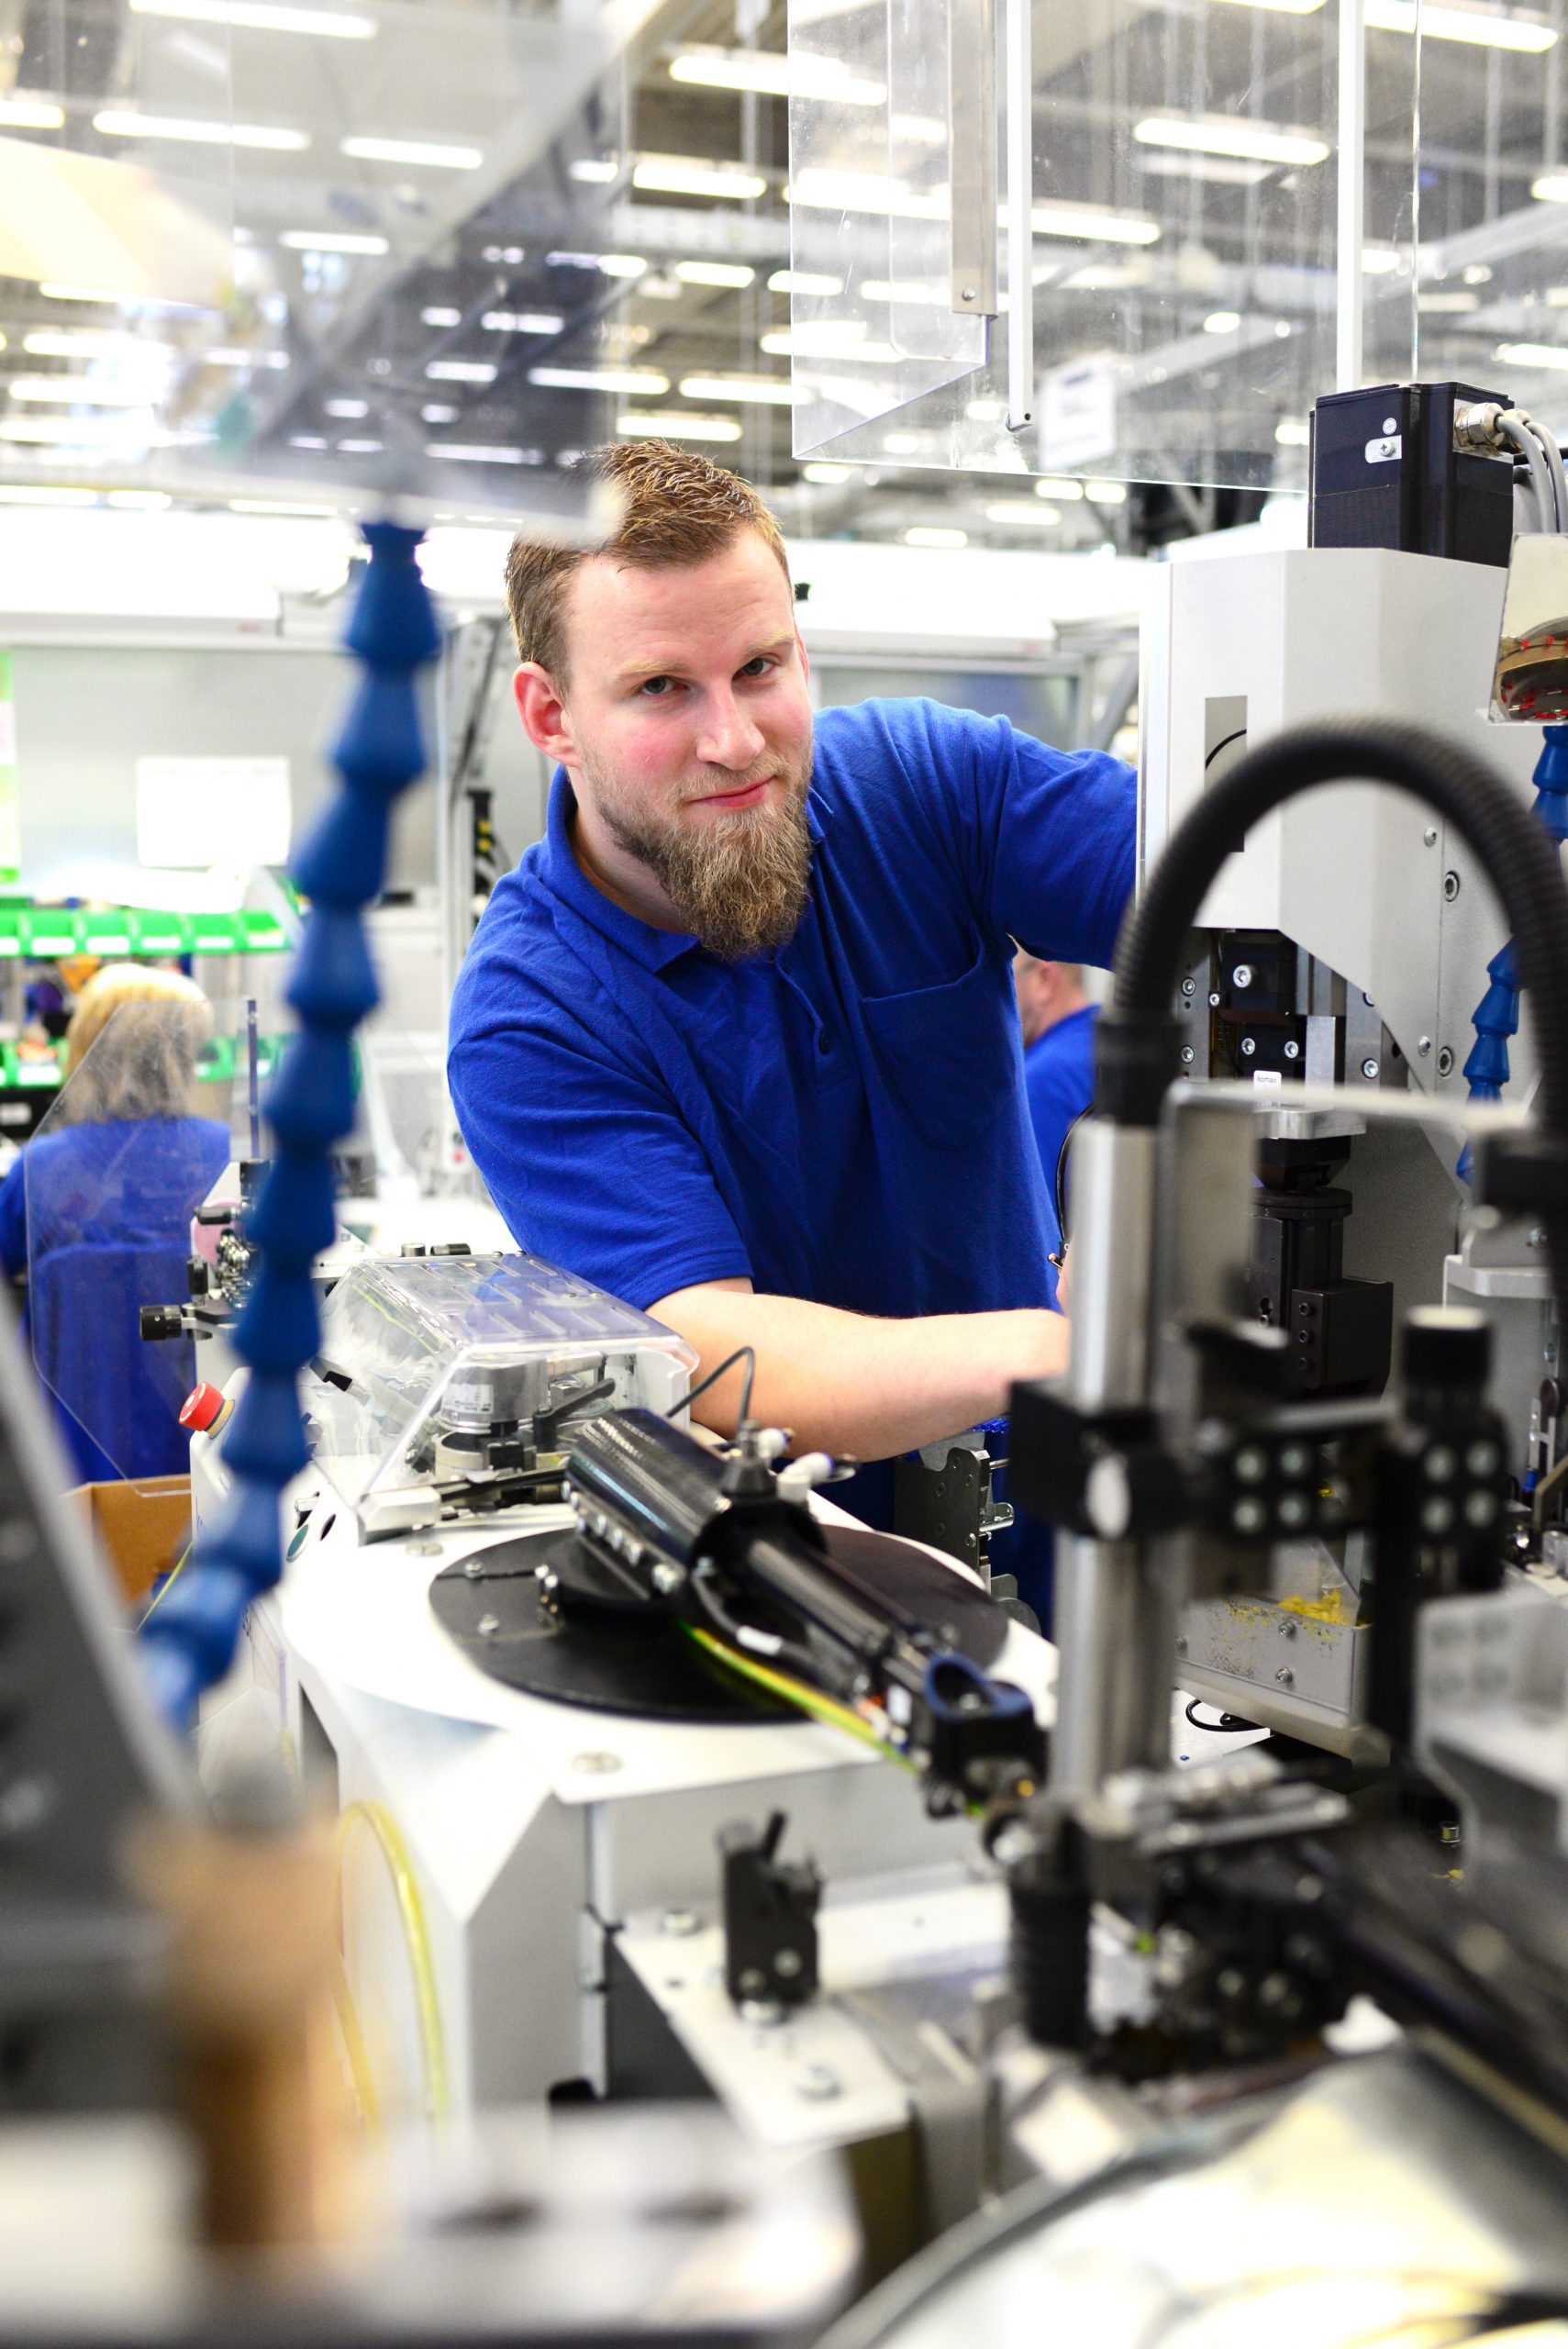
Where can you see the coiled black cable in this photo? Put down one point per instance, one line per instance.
(1520, 861)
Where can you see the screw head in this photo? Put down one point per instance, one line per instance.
(1189, 986)
(1213, 1002)
(1369, 1068)
(1249, 1046)
(487, 1626)
(1241, 976)
(1430, 836)
(787, 1963)
(1187, 1056)
(1285, 1676)
(1445, 1062)
(967, 294)
(1423, 1045)
(1292, 1049)
(1450, 886)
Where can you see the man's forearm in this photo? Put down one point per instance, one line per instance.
(846, 1384)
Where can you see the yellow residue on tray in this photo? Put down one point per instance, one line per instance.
(1336, 1606)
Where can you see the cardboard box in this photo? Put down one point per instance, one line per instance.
(142, 1527)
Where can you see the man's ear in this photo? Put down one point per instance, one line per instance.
(544, 712)
(805, 657)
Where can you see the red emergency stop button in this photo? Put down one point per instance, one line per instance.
(204, 1409)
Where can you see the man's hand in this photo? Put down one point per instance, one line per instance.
(846, 1384)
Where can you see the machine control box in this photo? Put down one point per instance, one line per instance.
(1385, 473)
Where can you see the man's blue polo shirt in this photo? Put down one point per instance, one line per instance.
(843, 1119)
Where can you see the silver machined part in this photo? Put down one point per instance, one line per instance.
(1475, 425)
(1113, 1180)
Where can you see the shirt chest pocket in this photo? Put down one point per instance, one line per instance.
(946, 1053)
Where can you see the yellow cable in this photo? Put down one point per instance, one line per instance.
(172, 1576)
(799, 1693)
(417, 1941)
(354, 2048)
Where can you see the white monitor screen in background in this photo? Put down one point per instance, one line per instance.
(207, 811)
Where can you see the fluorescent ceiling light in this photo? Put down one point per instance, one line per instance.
(1028, 513)
(1217, 170)
(124, 430)
(232, 355)
(331, 241)
(461, 370)
(1265, 142)
(441, 317)
(1478, 25)
(674, 424)
(140, 501)
(777, 73)
(1291, 433)
(924, 535)
(348, 409)
(1064, 492)
(36, 494)
(1455, 305)
(274, 505)
(77, 391)
(263, 17)
(621, 264)
(122, 122)
(654, 288)
(1550, 188)
(306, 440)
(1222, 322)
(1105, 493)
(53, 292)
(437, 413)
(714, 272)
(829, 476)
(30, 113)
(522, 321)
(632, 380)
(804, 281)
(359, 448)
(985, 411)
(462, 453)
(902, 444)
(90, 342)
(1095, 226)
(594, 171)
(753, 391)
(1381, 261)
(827, 340)
(920, 291)
(1532, 354)
(427, 152)
(690, 175)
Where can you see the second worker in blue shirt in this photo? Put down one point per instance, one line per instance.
(738, 1038)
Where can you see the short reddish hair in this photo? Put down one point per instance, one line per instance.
(678, 509)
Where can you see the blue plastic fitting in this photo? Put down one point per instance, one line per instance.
(1496, 1016)
(190, 1637)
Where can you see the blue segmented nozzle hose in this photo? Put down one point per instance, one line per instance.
(1496, 1016)
(189, 1639)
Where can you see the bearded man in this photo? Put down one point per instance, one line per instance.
(738, 1038)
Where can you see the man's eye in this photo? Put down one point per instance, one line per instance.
(756, 668)
(656, 687)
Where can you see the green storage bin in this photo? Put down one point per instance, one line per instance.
(48, 931)
(158, 934)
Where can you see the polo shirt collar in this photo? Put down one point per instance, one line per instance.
(653, 947)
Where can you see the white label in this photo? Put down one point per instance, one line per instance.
(1077, 413)
(203, 812)
(1384, 452)
(1269, 1078)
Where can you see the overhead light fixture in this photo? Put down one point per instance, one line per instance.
(1477, 26)
(1025, 513)
(139, 501)
(902, 444)
(675, 424)
(359, 448)
(234, 355)
(441, 317)
(461, 370)
(1093, 225)
(1453, 305)
(429, 152)
(1532, 354)
(594, 171)
(923, 291)
(333, 240)
(755, 391)
(1214, 171)
(690, 175)
(437, 413)
(1285, 7)
(654, 288)
(1105, 493)
(1382, 261)
(475, 453)
(985, 411)
(30, 113)
(627, 380)
(621, 265)
(827, 338)
(522, 321)
(32, 493)
(53, 293)
(714, 272)
(123, 430)
(777, 73)
(804, 281)
(263, 17)
(1217, 135)
(1478, 273)
(1222, 322)
(276, 505)
(1550, 188)
(826, 475)
(122, 122)
(92, 342)
(349, 411)
(77, 391)
(1290, 432)
(928, 535)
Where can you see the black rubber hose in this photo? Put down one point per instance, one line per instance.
(1519, 859)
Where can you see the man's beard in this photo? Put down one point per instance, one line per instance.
(738, 880)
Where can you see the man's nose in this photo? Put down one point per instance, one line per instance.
(728, 737)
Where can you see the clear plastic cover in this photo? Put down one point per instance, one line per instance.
(1183, 236)
(425, 1360)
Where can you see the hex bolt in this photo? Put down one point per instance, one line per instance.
(1369, 1068)
(1241, 976)
(1292, 1049)
(1213, 1003)
(474, 1567)
(1450, 886)
(1249, 1046)
(1187, 1056)
(1285, 1676)
(1189, 986)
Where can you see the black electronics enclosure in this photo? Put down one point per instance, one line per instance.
(1385, 473)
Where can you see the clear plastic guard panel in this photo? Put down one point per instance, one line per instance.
(111, 1180)
(1529, 679)
(1183, 233)
(205, 214)
(423, 1358)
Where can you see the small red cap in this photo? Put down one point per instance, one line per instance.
(202, 1406)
